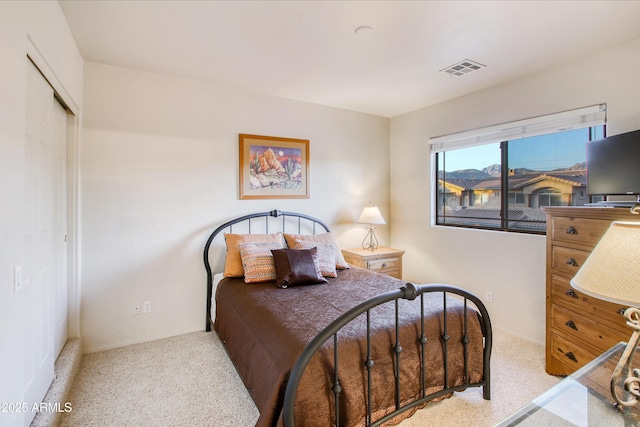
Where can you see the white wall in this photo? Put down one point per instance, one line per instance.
(160, 172)
(510, 265)
(34, 27)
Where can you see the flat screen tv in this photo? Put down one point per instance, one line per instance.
(613, 165)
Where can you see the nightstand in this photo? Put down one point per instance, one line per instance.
(383, 260)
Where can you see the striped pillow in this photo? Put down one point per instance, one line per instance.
(233, 261)
(257, 261)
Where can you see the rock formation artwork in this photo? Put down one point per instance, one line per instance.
(275, 168)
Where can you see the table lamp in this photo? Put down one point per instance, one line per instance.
(370, 215)
(612, 273)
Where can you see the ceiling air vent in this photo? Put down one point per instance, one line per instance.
(462, 68)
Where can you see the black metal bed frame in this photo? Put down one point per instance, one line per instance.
(313, 222)
(408, 291)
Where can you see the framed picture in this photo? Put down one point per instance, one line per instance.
(273, 167)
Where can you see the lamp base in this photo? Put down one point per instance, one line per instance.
(624, 375)
(372, 243)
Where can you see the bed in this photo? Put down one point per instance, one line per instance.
(350, 347)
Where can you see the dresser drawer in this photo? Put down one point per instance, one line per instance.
(567, 260)
(582, 231)
(585, 330)
(568, 354)
(565, 295)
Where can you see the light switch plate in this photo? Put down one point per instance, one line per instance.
(17, 279)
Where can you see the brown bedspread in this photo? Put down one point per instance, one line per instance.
(265, 328)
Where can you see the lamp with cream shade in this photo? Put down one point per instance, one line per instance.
(612, 273)
(370, 215)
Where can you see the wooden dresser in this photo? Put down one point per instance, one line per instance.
(579, 327)
(383, 260)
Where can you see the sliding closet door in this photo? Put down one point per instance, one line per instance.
(40, 270)
(61, 291)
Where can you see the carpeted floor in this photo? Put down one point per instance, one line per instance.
(188, 380)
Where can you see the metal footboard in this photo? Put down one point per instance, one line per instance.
(408, 291)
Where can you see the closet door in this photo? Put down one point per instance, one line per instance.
(61, 292)
(38, 276)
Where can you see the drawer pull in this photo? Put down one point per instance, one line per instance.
(572, 230)
(384, 264)
(571, 293)
(621, 311)
(571, 356)
(572, 262)
(572, 325)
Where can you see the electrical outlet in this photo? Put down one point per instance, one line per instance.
(136, 308)
(146, 307)
(489, 296)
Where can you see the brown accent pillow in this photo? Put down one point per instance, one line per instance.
(297, 267)
(233, 261)
(327, 238)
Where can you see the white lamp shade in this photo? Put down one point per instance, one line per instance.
(371, 215)
(612, 270)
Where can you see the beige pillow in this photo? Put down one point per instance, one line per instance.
(327, 238)
(326, 256)
(233, 261)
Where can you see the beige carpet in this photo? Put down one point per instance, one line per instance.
(188, 380)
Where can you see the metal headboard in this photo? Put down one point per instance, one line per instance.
(314, 223)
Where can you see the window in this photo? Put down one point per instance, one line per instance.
(501, 177)
(550, 197)
(516, 197)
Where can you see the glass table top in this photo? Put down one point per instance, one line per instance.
(582, 399)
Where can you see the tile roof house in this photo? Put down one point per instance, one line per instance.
(468, 200)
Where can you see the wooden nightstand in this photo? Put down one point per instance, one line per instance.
(383, 260)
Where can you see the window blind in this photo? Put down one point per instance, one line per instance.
(595, 115)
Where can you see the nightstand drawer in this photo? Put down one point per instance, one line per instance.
(384, 264)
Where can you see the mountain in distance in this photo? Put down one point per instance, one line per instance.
(489, 172)
(577, 167)
(470, 174)
(494, 171)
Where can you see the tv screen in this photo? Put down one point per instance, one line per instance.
(613, 165)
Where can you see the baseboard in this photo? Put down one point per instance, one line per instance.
(65, 370)
(143, 340)
(519, 336)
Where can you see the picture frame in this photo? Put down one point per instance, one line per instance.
(273, 167)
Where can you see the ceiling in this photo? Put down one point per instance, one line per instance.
(309, 50)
